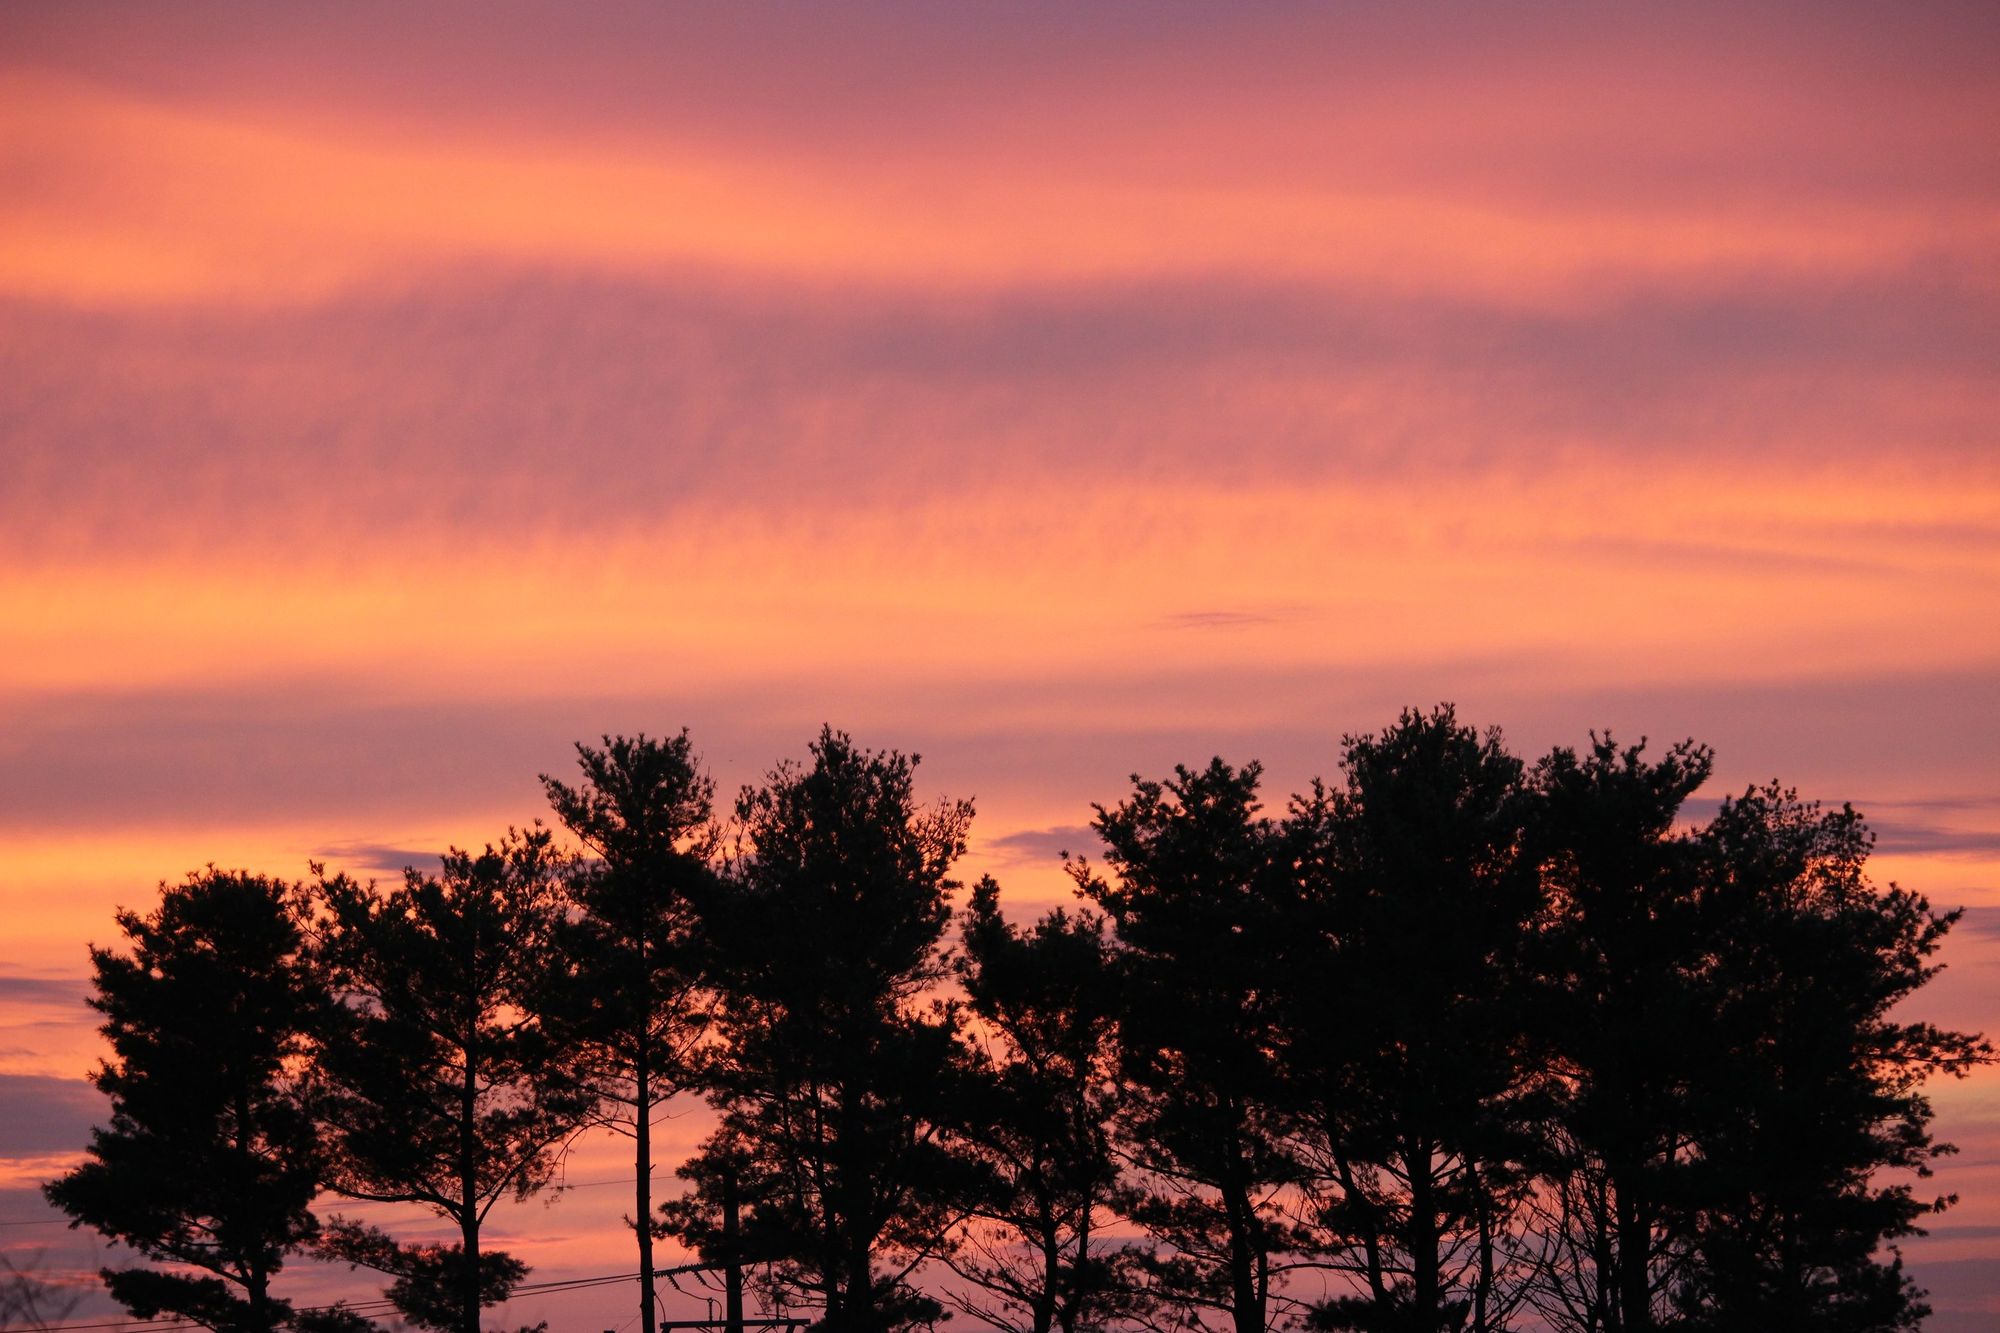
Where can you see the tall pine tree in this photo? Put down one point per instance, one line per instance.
(644, 810)
(1191, 894)
(1047, 999)
(1624, 1003)
(1409, 1047)
(1811, 1122)
(210, 1162)
(443, 1086)
(835, 1068)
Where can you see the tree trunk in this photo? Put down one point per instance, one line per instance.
(862, 1315)
(468, 1196)
(1248, 1311)
(1355, 1200)
(1051, 1243)
(1635, 1290)
(642, 1178)
(1483, 1293)
(257, 1280)
(468, 1230)
(833, 1289)
(1079, 1272)
(1426, 1295)
(258, 1288)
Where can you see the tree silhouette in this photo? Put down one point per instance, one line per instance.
(644, 809)
(1049, 998)
(210, 1163)
(1814, 1088)
(1409, 1051)
(1190, 896)
(442, 1086)
(1450, 1036)
(1629, 1016)
(709, 1218)
(834, 1071)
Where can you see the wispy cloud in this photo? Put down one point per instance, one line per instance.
(1984, 922)
(1225, 619)
(60, 992)
(377, 858)
(40, 1115)
(1042, 845)
(1907, 839)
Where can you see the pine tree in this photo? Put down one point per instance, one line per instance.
(1628, 1020)
(1048, 998)
(1814, 1084)
(644, 809)
(210, 1162)
(443, 1086)
(835, 1070)
(1408, 1043)
(1191, 897)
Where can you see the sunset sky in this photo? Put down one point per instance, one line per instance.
(390, 398)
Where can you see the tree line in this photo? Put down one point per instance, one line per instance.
(1458, 1042)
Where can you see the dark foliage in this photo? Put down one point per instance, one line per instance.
(210, 1161)
(1625, 1003)
(633, 1009)
(1044, 1093)
(1456, 1046)
(836, 1072)
(442, 1086)
(1813, 1090)
(1418, 1083)
(1192, 895)
(427, 1280)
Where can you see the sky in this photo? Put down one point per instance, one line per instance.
(391, 398)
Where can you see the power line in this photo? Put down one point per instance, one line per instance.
(379, 1305)
(345, 1203)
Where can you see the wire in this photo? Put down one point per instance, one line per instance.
(379, 1305)
(335, 1201)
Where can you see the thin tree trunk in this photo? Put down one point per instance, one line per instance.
(257, 1280)
(1635, 1293)
(1244, 1294)
(468, 1230)
(259, 1287)
(1051, 1241)
(1604, 1298)
(1356, 1201)
(1247, 1306)
(861, 1284)
(642, 1177)
(831, 1284)
(468, 1197)
(1483, 1294)
(1425, 1293)
(1079, 1273)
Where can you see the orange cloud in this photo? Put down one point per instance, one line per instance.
(1632, 574)
(123, 199)
(389, 399)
